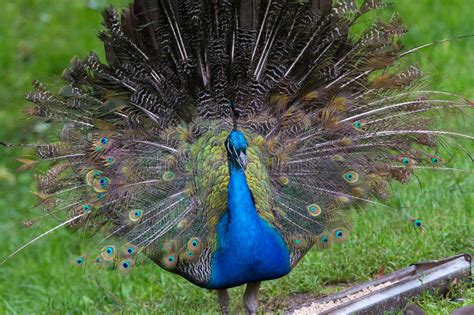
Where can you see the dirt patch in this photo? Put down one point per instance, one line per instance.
(281, 304)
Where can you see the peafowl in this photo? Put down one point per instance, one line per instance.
(224, 139)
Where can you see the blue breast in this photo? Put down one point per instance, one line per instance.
(248, 248)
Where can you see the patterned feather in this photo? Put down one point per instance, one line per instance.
(330, 120)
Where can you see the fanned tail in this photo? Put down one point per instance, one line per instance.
(331, 119)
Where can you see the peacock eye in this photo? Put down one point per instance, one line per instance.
(359, 125)
(299, 243)
(168, 176)
(194, 249)
(434, 160)
(314, 210)
(135, 215)
(103, 182)
(130, 250)
(170, 261)
(406, 161)
(79, 261)
(340, 234)
(108, 253)
(104, 141)
(351, 177)
(125, 265)
(417, 223)
(86, 208)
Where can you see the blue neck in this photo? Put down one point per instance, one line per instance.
(240, 203)
(248, 248)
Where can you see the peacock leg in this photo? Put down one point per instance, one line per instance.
(251, 298)
(223, 298)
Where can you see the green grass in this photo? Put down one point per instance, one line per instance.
(38, 38)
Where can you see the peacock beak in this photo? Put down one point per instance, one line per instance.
(243, 160)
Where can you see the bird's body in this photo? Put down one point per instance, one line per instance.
(225, 139)
(248, 248)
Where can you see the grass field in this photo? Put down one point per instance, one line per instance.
(37, 40)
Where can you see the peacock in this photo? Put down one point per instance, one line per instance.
(224, 139)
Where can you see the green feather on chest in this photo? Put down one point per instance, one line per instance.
(208, 165)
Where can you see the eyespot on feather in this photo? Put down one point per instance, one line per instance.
(298, 242)
(314, 210)
(189, 256)
(79, 261)
(436, 160)
(408, 162)
(418, 225)
(87, 208)
(195, 245)
(351, 177)
(340, 234)
(101, 184)
(360, 125)
(168, 176)
(129, 250)
(91, 176)
(324, 240)
(126, 265)
(170, 261)
(108, 253)
(109, 161)
(135, 215)
(102, 143)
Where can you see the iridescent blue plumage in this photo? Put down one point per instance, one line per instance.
(248, 248)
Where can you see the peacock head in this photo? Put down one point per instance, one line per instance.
(236, 146)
